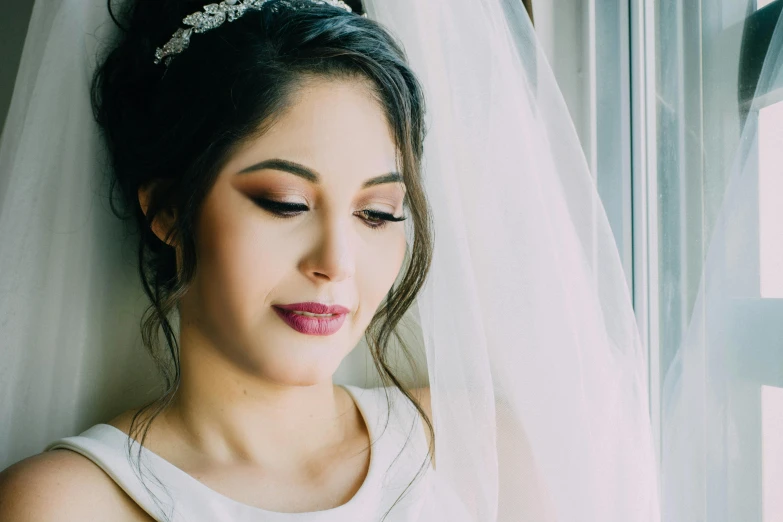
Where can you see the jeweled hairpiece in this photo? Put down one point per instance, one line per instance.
(213, 16)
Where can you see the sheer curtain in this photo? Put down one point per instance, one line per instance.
(720, 257)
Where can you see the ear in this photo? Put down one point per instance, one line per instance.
(164, 219)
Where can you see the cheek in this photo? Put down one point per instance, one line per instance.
(240, 260)
(379, 267)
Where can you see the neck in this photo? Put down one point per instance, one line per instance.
(227, 414)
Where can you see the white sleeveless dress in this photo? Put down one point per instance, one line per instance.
(178, 497)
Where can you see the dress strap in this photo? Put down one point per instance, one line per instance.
(400, 446)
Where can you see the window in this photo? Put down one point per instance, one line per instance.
(660, 92)
(770, 137)
(711, 231)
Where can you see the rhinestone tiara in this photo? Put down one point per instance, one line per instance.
(213, 16)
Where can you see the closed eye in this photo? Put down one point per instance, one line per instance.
(373, 218)
(379, 219)
(281, 209)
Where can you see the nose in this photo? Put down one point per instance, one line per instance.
(333, 257)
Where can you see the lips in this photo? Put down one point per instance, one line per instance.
(314, 308)
(309, 325)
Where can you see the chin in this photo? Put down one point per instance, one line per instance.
(298, 372)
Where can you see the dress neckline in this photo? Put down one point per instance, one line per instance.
(367, 494)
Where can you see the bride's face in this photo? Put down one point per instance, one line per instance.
(318, 157)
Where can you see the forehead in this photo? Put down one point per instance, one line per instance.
(330, 126)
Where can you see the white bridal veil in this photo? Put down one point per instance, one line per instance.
(537, 372)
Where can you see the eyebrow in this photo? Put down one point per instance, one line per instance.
(311, 175)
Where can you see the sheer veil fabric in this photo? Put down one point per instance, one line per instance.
(70, 301)
(537, 373)
(527, 319)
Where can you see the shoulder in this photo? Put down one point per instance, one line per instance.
(65, 486)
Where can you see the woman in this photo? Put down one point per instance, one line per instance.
(282, 171)
(277, 160)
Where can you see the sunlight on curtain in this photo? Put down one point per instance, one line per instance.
(720, 259)
(770, 198)
(772, 452)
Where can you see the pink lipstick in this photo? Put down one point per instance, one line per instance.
(313, 325)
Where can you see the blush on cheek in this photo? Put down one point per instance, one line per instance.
(381, 270)
(237, 265)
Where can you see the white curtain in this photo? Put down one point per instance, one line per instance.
(722, 392)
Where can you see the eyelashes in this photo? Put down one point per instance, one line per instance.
(373, 219)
